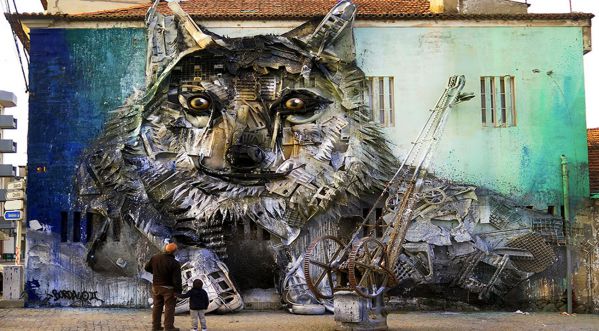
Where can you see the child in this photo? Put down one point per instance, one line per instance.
(198, 303)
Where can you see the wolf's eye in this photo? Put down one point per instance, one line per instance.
(199, 103)
(294, 104)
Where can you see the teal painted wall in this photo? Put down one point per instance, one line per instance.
(521, 161)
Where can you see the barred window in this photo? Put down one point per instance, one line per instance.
(381, 99)
(497, 100)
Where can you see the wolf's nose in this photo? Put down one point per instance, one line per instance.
(247, 157)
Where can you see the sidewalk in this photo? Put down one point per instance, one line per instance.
(135, 319)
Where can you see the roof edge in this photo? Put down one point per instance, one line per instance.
(258, 17)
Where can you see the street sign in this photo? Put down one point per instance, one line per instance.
(13, 205)
(15, 186)
(15, 195)
(13, 215)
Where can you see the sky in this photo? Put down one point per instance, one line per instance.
(11, 78)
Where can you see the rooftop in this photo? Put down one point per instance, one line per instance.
(260, 9)
(593, 143)
(593, 137)
(293, 9)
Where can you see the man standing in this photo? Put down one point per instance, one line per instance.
(166, 284)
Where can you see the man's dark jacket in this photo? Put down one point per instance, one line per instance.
(166, 271)
(198, 298)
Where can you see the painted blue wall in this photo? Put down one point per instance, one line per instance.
(77, 76)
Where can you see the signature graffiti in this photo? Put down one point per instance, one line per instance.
(85, 297)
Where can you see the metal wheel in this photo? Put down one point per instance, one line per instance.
(434, 196)
(368, 274)
(393, 202)
(319, 268)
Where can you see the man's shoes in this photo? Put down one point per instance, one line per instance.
(173, 329)
(157, 329)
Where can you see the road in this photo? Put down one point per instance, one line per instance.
(67, 319)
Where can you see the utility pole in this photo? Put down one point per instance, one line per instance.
(568, 232)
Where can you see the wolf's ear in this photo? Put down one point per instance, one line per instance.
(171, 37)
(331, 37)
(202, 39)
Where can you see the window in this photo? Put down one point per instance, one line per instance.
(64, 223)
(497, 101)
(380, 100)
(76, 226)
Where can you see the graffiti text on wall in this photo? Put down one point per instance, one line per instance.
(83, 297)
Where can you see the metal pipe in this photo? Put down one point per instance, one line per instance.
(567, 229)
(18, 237)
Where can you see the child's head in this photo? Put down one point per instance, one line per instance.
(198, 283)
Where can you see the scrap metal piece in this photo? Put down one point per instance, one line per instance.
(331, 27)
(203, 264)
(203, 40)
(542, 254)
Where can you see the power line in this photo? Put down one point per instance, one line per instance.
(16, 40)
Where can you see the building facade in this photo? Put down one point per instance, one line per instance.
(7, 173)
(526, 71)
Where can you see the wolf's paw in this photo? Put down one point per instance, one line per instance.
(204, 264)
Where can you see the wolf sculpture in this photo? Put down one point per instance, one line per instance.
(271, 130)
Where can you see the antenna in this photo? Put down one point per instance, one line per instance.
(570, 1)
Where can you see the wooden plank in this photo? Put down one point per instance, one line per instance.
(375, 106)
(513, 101)
(499, 120)
(509, 106)
(391, 101)
(386, 108)
(489, 102)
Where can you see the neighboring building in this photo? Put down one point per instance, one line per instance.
(7, 173)
(593, 145)
(525, 69)
(479, 6)
(82, 6)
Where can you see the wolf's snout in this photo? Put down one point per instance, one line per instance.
(242, 156)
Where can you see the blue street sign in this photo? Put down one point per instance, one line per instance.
(13, 215)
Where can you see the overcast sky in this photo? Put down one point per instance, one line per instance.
(11, 78)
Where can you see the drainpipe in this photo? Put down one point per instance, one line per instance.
(567, 230)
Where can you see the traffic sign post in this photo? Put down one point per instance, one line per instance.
(18, 185)
(15, 195)
(13, 205)
(13, 215)
(13, 211)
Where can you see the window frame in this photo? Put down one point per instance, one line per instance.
(498, 101)
(380, 99)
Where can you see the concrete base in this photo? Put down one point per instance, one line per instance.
(261, 299)
(12, 303)
(12, 282)
(355, 313)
